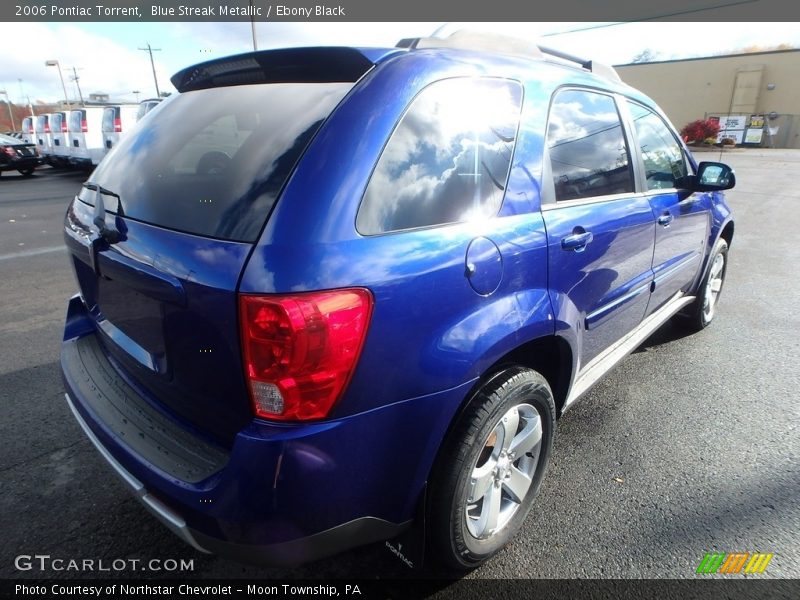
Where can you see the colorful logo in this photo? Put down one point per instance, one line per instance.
(737, 562)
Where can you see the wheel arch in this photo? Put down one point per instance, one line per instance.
(551, 356)
(727, 233)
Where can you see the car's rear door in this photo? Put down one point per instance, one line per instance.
(600, 230)
(682, 218)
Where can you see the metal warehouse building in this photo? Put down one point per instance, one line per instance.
(762, 85)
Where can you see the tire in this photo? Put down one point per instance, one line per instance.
(27, 172)
(701, 312)
(467, 526)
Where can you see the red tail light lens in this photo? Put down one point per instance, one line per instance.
(300, 350)
(84, 128)
(63, 126)
(117, 125)
(47, 127)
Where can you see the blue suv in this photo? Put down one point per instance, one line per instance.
(329, 293)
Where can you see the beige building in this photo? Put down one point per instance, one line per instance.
(756, 83)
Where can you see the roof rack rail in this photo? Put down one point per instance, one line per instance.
(465, 39)
(598, 68)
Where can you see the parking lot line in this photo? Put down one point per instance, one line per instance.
(35, 252)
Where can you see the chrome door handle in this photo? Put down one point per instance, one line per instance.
(577, 241)
(665, 219)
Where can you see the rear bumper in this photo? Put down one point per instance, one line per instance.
(22, 163)
(326, 543)
(80, 161)
(164, 514)
(284, 493)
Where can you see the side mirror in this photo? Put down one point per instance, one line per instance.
(713, 177)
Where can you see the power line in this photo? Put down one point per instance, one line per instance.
(153, 66)
(653, 18)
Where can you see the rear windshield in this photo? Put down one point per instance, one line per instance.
(75, 118)
(41, 121)
(213, 161)
(109, 114)
(141, 111)
(55, 121)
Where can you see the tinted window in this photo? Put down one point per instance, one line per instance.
(55, 121)
(588, 153)
(447, 160)
(213, 161)
(75, 118)
(663, 159)
(109, 114)
(41, 121)
(145, 107)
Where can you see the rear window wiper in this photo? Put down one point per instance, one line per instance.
(112, 236)
(90, 185)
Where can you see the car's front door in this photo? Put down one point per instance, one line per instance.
(600, 231)
(682, 218)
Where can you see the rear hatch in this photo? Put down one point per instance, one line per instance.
(182, 200)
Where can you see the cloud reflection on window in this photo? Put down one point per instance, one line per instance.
(588, 153)
(448, 159)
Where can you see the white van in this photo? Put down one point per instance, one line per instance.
(58, 132)
(117, 121)
(85, 132)
(145, 106)
(44, 140)
(27, 130)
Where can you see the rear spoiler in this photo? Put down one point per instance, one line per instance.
(290, 65)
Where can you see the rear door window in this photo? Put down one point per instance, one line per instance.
(664, 163)
(213, 161)
(109, 114)
(448, 159)
(588, 152)
(75, 119)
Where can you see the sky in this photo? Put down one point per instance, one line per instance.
(107, 59)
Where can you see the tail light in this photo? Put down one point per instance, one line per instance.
(300, 350)
(10, 150)
(84, 127)
(117, 125)
(63, 126)
(47, 127)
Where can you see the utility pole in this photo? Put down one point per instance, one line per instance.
(75, 78)
(153, 65)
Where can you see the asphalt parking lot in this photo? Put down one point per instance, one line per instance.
(690, 446)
